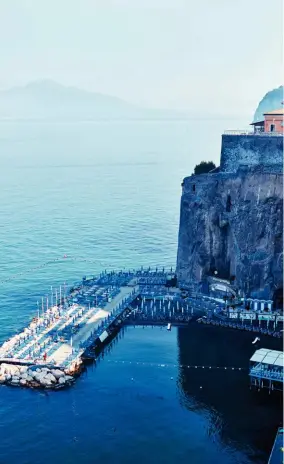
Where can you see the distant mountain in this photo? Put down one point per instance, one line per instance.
(47, 99)
(271, 101)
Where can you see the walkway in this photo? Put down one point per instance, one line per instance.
(277, 453)
(65, 350)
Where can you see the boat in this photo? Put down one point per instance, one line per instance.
(169, 326)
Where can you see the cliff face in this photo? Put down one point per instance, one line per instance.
(232, 222)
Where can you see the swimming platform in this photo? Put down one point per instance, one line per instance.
(70, 323)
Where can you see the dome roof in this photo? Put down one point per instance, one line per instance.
(270, 102)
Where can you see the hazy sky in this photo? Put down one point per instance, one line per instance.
(222, 55)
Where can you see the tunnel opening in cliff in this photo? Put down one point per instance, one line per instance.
(220, 262)
(228, 204)
(278, 298)
(221, 271)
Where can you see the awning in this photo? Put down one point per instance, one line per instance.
(271, 357)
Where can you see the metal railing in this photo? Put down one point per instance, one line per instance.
(271, 374)
(248, 132)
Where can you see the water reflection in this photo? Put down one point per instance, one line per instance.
(235, 415)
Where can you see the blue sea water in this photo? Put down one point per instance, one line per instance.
(107, 195)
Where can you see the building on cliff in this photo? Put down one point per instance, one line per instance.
(272, 122)
(231, 219)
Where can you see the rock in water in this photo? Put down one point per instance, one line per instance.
(57, 373)
(38, 377)
(45, 382)
(45, 369)
(15, 380)
(51, 378)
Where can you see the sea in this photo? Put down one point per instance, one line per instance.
(77, 198)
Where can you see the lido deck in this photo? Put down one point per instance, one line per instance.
(60, 334)
(64, 334)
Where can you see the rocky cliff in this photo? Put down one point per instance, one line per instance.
(232, 222)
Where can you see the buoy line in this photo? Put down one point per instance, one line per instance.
(139, 363)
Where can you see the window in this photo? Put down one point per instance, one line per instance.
(272, 127)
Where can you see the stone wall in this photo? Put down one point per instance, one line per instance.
(251, 150)
(233, 222)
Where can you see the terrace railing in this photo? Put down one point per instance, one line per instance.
(248, 132)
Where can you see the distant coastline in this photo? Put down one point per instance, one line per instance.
(45, 100)
(49, 101)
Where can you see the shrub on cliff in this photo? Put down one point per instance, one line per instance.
(204, 167)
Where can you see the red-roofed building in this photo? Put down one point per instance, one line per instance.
(273, 122)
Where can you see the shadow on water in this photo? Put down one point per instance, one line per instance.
(236, 415)
(140, 399)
